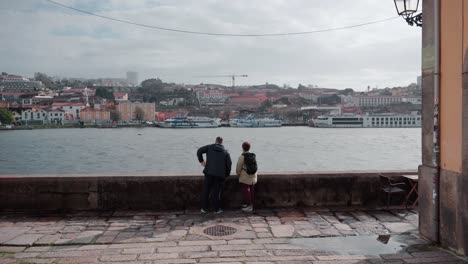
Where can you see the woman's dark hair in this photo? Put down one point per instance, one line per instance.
(246, 146)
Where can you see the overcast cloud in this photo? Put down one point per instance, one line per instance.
(39, 36)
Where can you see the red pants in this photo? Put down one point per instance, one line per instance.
(248, 191)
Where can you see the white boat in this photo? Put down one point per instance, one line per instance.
(190, 122)
(383, 120)
(250, 121)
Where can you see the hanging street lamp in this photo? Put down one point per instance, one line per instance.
(408, 9)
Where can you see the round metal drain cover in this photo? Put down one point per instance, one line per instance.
(219, 230)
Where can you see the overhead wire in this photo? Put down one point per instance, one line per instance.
(219, 34)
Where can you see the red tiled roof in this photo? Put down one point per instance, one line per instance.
(249, 98)
(120, 94)
(89, 109)
(56, 110)
(68, 104)
(10, 76)
(19, 93)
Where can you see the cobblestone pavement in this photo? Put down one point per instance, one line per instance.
(266, 236)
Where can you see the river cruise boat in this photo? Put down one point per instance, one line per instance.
(190, 122)
(383, 120)
(255, 122)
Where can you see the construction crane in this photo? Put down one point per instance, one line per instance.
(233, 77)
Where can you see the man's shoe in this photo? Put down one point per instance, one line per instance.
(202, 211)
(220, 211)
(247, 209)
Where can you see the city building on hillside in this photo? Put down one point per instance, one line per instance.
(90, 115)
(212, 97)
(127, 110)
(16, 97)
(56, 117)
(70, 108)
(309, 96)
(248, 101)
(79, 92)
(121, 96)
(377, 100)
(27, 101)
(16, 116)
(42, 99)
(349, 101)
(42, 117)
(111, 82)
(413, 100)
(16, 83)
(172, 102)
(135, 97)
(132, 78)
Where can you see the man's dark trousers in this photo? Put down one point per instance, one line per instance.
(213, 187)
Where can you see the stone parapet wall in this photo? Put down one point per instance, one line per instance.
(180, 192)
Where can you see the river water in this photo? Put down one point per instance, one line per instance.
(155, 150)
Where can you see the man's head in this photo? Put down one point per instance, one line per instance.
(219, 140)
(246, 146)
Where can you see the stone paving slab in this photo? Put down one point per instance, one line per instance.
(265, 236)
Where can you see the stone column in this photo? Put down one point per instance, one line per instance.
(428, 218)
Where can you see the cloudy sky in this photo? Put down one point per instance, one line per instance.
(40, 36)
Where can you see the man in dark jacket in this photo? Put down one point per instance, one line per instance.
(217, 169)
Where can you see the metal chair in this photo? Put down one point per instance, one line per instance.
(390, 187)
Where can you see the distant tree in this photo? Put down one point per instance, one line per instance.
(152, 85)
(139, 114)
(153, 99)
(330, 100)
(46, 80)
(115, 116)
(105, 92)
(265, 105)
(4, 73)
(283, 100)
(347, 91)
(6, 117)
(386, 92)
(301, 87)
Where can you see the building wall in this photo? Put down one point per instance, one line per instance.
(450, 81)
(443, 187)
(127, 110)
(179, 192)
(94, 115)
(70, 109)
(377, 100)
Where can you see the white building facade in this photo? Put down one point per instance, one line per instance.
(376, 100)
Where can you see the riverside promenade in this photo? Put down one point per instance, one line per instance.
(291, 235)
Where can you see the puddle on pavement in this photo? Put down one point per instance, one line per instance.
(362, 245)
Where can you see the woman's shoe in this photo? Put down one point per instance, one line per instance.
(249, 208)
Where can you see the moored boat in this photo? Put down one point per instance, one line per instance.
(368, 121)
(190, 122)
(251, 121)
